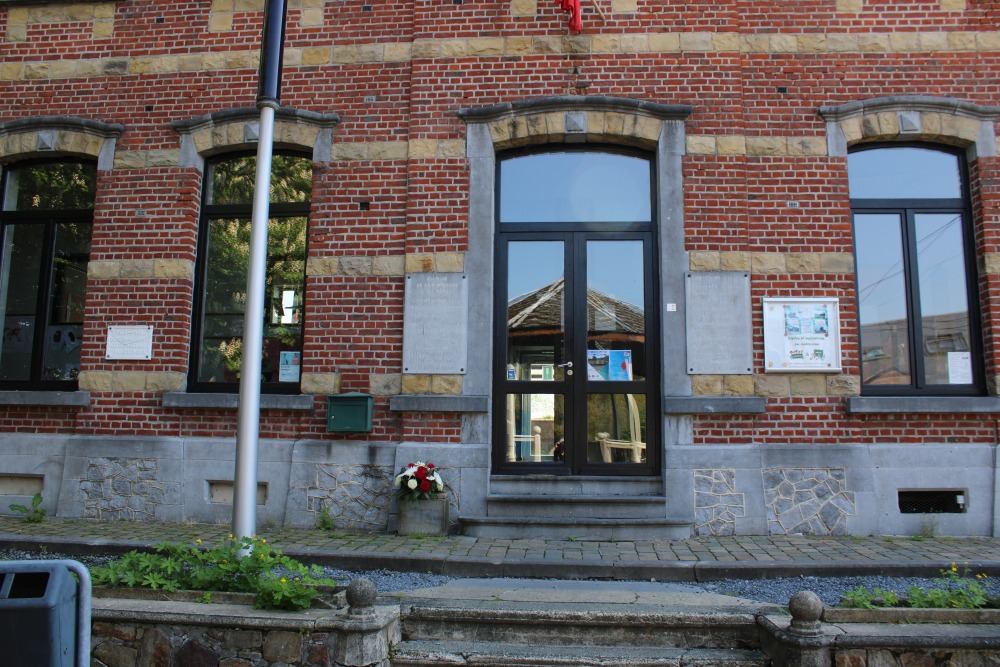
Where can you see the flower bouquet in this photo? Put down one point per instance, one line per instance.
(418, 481)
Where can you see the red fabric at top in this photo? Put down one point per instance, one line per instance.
(575, 21)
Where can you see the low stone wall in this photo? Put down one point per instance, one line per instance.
(156, 633)
(815, 636)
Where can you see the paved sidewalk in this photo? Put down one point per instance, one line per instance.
(694, 559)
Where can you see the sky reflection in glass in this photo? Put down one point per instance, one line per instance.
(904, 173)
(574, 187)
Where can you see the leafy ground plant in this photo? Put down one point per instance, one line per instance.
(951, 590)
(34, 513)
(278, 581)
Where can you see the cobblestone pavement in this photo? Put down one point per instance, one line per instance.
(750, 556)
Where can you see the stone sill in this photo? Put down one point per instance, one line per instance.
(438, 403)
(69, 399)
(180, 399)
(917, 404)
(713, 405)
(897, 615)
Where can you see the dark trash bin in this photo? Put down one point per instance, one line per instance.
(38, 614)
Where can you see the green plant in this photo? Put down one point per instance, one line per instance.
(862, 598)
(324, 521)
(951, 590)
(928, 527)
(249, 565)
(34, 513)
(206, 598)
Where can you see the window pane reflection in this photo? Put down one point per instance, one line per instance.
(61, 353)
(616, 328)
(944, 305)
(885, 355)
(225, 300)
(535, 310)
(535, 428)
(616, 428)
(22, 257)
(903, 173)
(575, 186)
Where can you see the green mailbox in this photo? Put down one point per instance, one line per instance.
(349, 412)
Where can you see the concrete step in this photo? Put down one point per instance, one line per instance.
(433, 653)
(579, 528)
(580, 625)
(576, 506)
(575, 485)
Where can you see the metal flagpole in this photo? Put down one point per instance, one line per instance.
(248, 423)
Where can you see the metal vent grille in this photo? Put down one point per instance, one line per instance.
(950, 501)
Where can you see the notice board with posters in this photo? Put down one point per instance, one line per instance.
(801, 335)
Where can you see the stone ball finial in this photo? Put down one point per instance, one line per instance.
(361, 595)
(806, 609)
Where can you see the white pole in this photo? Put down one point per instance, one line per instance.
(248, 425)
(248, 421)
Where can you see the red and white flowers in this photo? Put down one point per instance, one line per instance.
(419, 480)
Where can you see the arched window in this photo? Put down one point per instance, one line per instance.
(223, 259)
(45, 225)
(917, 303)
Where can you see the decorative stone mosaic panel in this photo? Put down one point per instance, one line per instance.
(807, 501)
(716, 502)
(121, 488)
(355, 496)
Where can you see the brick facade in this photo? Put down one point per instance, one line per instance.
(375, 90)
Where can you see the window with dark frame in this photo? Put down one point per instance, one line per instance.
(916, 280)
(223, 261)
(45, 231)
(576, 288)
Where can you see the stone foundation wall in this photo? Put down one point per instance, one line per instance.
(129, 645)
(914, 658)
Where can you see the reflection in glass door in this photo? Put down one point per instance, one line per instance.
(574, 370)
(574, 391)
(615, 352)
(535, 430)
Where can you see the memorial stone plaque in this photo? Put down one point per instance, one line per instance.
(719, 337)
(435, 323)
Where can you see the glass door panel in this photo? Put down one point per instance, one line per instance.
(616, 428)
(536, 312)
(616, 352)
(616, 319)
(944, 298)
(536, 431)
(882, 299)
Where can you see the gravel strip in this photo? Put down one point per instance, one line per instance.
(775, 591)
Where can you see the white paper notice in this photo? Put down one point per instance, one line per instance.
(129, 342)
(959, 368)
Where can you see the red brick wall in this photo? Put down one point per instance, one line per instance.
(353, 324)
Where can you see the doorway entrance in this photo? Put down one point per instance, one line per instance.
(576, 342)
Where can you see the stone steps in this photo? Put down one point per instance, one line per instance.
(481, 633)
(433, 653)
(578, 528)
(576, 506)
(581, 507)
(580, 625)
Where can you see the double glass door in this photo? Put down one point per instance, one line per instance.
(575, 348)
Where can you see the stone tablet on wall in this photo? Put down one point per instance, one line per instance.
(435, 323)
(719, 337)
